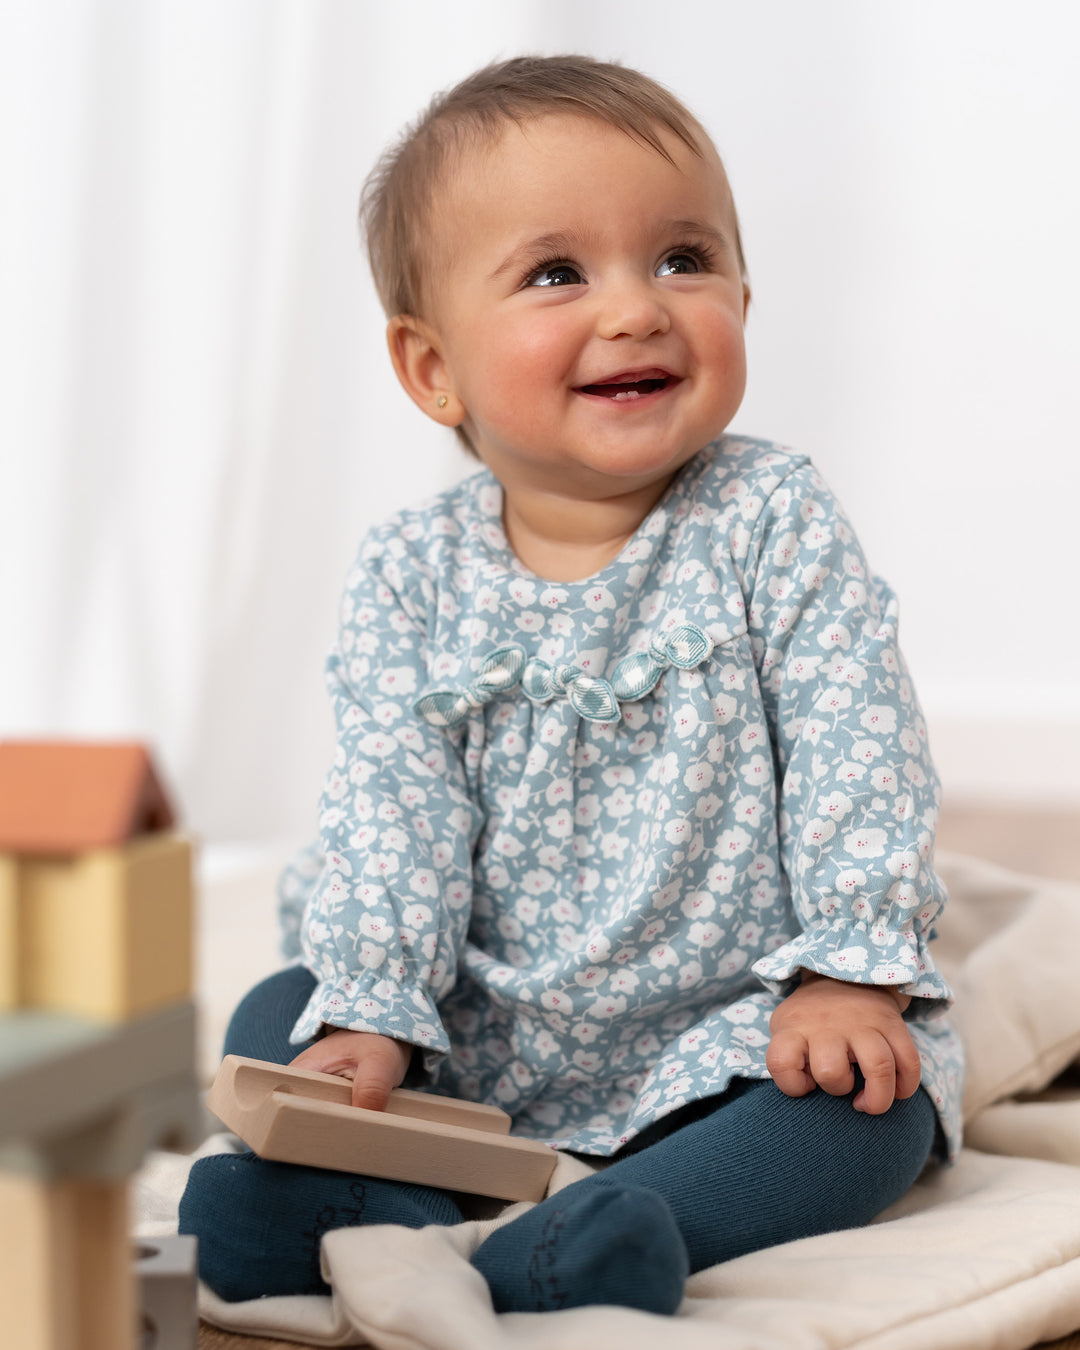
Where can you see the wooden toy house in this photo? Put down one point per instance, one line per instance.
(96, 1030)
(95, 889)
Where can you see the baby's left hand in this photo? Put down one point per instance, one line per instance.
(826, 1026)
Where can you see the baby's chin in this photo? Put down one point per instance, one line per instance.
(635, 466)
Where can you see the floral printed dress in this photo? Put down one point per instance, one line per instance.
(580, 838)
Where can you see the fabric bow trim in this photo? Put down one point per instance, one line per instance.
(500, 671)
(635, 676)
(589, 696)
(593, 698)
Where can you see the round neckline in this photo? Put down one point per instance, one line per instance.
(496, 544)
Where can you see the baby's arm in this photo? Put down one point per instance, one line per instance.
(826, 1026)
(376, 1064)
(857, 808)
(385, 923)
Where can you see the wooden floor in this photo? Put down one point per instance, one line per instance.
(1039, 842)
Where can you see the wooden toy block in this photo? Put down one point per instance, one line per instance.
(105, 934)
(165, 1269)
(293, 1115)
(77, 1097)
(95, 896)
(65, 1273)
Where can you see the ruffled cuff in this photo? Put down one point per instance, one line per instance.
(353, 1003)
(861, 953)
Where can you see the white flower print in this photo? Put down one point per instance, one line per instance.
(906, 864)
(685, 721)
(757, 770)
(662, 955)
(397, 681)
(599, 598)
(754, 737)
(527, 909)
(849, 880)
(904, 895)
(522, 591)
(865, 843)
(619, 803)
(613, 845)
(836, 637)
(833, 700)
(848, 958)
(852, 673)
(705, 934)
(802, 667)
(561, 824)
(497, 876)
(721, 878)
(818, 832)
(853, 594)
(699, 776)
(884, 779)
(732, 962)
(733, 842)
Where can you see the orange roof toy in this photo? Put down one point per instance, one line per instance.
(95, 888)
(62, 797)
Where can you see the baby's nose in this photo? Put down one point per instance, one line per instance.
(633, 310)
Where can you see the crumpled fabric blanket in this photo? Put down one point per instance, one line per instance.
(983, 1254)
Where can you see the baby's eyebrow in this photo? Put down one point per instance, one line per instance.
(700, 230)
(544, 246)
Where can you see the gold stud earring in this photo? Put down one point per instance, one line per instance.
(442, 401)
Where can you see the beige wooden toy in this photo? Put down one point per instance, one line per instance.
(294, 1115)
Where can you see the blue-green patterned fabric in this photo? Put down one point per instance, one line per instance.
(580, 837)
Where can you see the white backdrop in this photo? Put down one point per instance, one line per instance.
(198, 420)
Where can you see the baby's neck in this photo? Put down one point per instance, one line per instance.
(567, 539)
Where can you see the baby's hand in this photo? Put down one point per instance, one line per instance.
(826, 1026)
(376, 1064)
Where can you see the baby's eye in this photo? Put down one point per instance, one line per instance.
(678, 265)
(556, 274)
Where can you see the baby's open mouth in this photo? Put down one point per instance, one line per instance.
(623, 390)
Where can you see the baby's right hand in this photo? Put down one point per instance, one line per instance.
(376, 1064)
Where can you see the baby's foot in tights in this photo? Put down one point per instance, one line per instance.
(260, 1224)
(606, 1244)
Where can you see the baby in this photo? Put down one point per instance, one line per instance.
(630, 827)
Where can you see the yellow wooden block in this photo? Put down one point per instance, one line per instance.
(9, 932)
(66, 1278)
(104, 934)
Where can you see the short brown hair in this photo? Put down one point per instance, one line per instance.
(395, 205)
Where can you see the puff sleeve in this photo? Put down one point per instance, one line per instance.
(385, 922)
(858, 792)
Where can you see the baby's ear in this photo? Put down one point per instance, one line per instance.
(418, 363)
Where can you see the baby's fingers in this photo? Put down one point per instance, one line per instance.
(874, 1056)
(787, 1061)
(908, 1065)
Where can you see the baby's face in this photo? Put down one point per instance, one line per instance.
(590, 308)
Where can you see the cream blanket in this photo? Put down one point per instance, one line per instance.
(984, 1255)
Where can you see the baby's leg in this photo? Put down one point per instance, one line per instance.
(757, 1170)
(260, 1223)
